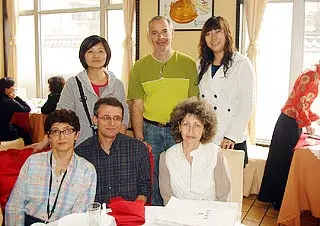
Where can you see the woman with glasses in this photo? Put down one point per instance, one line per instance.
(9, 104)
(195, 168)
(226, 81)
(96, 82)
(56, 183)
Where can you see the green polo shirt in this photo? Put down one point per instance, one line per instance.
(162, 85)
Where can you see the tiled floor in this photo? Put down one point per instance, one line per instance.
(255, 213)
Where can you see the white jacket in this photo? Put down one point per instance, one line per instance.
(231, 97)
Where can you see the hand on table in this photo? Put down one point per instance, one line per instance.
(310, 130)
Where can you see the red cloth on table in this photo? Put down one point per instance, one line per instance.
(11, 162)
(303, 142)
(127, 213)
(21, 119)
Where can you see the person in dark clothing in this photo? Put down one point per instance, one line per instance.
(56, 85)
(9, 104)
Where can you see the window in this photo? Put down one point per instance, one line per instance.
(50, 32)
(284, 51)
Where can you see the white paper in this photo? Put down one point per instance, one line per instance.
(198, 213)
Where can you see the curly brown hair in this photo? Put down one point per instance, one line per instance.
(200, 109)
(206, 55)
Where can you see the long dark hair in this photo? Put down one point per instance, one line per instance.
(206, 55)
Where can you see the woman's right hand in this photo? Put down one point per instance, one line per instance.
(310, 130)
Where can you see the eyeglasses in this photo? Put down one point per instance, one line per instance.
(108, 118)
(66, 132)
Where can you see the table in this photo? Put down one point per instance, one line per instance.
(302, 189)
(151, 213)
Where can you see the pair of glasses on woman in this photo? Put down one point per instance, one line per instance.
(66, 132)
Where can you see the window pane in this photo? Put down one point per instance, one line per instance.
(273, 66)
(116, 1)
(311, 34)
(67, 4)
(26, 55)
(61, 37)
(25, 5)
(116, 35)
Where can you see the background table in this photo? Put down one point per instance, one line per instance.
(302, 189)
(31, 122)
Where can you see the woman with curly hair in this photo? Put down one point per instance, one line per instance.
(294, 116)
(195, 168)
(226, 81)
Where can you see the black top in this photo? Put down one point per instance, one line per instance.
(8, 107)
(214, 69)
(51, 103)
(124, 172)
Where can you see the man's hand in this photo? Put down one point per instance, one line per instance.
(12, 95)
(143, 198)
(227, 144)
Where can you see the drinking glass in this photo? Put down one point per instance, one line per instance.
(93, 214)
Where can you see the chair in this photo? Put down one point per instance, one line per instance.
(11, 162)
(235, 161)
(15, 144)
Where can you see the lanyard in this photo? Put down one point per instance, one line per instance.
(55, 201)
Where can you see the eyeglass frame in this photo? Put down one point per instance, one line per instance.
(108, 118)
(59, 132)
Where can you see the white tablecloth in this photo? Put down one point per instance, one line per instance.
(152, 212)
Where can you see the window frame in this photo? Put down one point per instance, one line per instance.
(105, 6)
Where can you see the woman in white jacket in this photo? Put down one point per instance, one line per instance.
(226, 81)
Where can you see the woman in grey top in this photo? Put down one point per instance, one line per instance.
(97, 82)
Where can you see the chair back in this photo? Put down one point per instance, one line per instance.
(151, 162)
(11, 162)
(15, 144)
(235, 161)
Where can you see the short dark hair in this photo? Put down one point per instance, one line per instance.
(111, 101)
(6, 83)
(56, 84)
(88, 43)
(63, 116)
(201, 110)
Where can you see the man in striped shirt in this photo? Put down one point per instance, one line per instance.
(55, 183)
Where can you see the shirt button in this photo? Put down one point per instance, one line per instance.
(229, 109)
(109, 187)
(214, 108)
(215, 96)
(202, 95)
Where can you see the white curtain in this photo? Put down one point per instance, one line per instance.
(12, 21)
(128, 12)
(1, 41)
(254, 13)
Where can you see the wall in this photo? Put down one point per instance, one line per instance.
(189, 45)
(1, 42)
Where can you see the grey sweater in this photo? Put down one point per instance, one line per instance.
(70, 99)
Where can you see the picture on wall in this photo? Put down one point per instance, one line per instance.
(186, 14)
